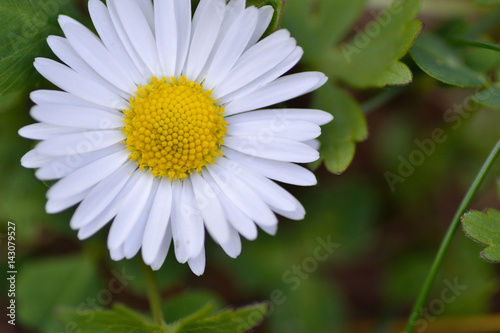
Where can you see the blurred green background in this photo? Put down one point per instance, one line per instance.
(385, 240)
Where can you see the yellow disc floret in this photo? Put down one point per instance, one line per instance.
(174, 127)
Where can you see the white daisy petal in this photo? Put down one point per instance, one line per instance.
(191, 230)
(276, 149)
(131, 209)
(204, 34)
(162, 253)
(58, 205)
(148, 12)
(59, 167)
(77, 84)
(231, 47)
(33, 159)
(297, 214)
(270, 192)
(87, 176)
(79, 143)
(139, 32)
(109, 211)
(64, 51)
(259, 59)
(41, 97)
(133, 242)
(158, 222)
(265, 16)
(98, 57)
(166, 35)
(280, 117)
(284, 66)
(197, 264)
(126, 42)
(183, 28)
(101, 196)
(117, 254)
(210, 208)
(40, 131)
(76, 116)
(266, 130)
(232, 246)
(284, 172)
(269, 229)
(109, 36)
(180, 246)
(314, 144)
(282, 89)
(242, 223)
(242, 196)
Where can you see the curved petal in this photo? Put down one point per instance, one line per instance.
(284, 172)
(131, 209)
(282, 89)
(275, 149)
(103, 23)
(206, 25)
(87, 176)
(79, 143)
(40, 131)
(166, 35)
(101, 196)
(54, 206)
(282, 116)
(139, 33)
(76, 116)
(158, 222)
(197, 264)
(297, 130)
(78, 84)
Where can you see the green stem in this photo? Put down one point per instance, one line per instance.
(424, 293)
(153, 294)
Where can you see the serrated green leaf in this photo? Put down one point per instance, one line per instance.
(371, 58)
(489, 97)
(439, 60)
(118, 320)
(25, 24)
(278, 12)
(340, 135)
(484, 228)
(52, 283)
(229, 321)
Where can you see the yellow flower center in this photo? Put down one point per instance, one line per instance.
(174, 127)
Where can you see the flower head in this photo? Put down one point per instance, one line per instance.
(160, 126)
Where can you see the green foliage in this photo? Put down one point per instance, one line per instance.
(370, 59)
(489, 97)
(442, 62)
(55, 282)
(124, 320)
(25, 25)
(119, 320)
(188, 302)
(484, 228)
(339, 137)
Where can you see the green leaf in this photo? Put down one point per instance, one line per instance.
(118, 320)
(278, 12)
(484, 228)
(46, 284)
(371, 57)
(498, 188)
(340, 135)
(188, 302)
(229, 321)
(439, 60)
(489, 97)
(25, 25)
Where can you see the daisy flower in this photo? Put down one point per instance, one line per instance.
(161, 126)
